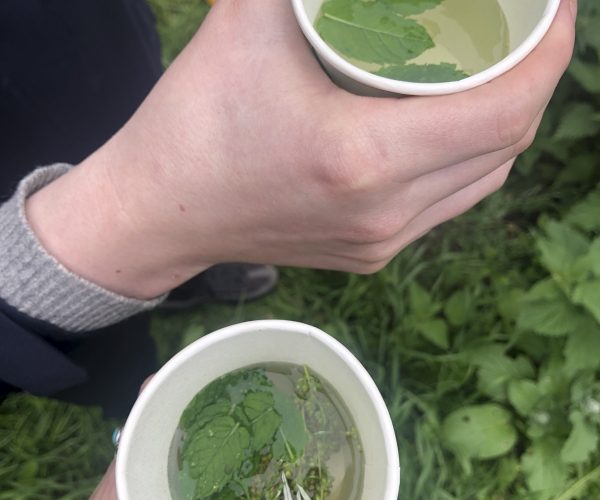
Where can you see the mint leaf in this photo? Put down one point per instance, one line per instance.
(423, 73)
(370, 32)
(582, 442)
(215, 454)
(482, 431)
(543, 468)
(265, 421)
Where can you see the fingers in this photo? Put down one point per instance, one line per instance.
(370, 257)
(440, 184)
(107, 489)
(433, 132)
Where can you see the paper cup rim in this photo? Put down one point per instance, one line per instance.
(230, 332)
(414, 88)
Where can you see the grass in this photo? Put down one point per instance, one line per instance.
(439, 329)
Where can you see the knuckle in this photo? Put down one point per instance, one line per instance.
(512, 125)
(371, 231)
(350, 162)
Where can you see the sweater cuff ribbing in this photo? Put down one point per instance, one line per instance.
(35, 283)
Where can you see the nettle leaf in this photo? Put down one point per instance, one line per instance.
(494, 376)
(582, 442)
(480, 431)
(423, 73)
(579, 121)
(523, 395)
(265, 421)
(546, 310)
(215, 454)
(370, 32)
(586, 213)
(588, 295)
(434, 330)
(582, 350)
(561, 248)
(458, 308)
(543, 468)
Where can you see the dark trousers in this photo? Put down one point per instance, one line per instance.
(71, 73)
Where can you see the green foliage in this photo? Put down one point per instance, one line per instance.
(50, 449)
(379, 32)
(241, 433)
(513, 281)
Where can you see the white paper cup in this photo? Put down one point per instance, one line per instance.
(528, 21)
(146, 440)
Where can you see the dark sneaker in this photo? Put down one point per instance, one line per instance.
(223, 283)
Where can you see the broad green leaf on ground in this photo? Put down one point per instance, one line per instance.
(582, 442)
(580, 168)
(594, 254)
(435, 330)
(493, 377)
(579, 121)
(588, 295)
(546, 310)
(561, 248)
(370, 32)
(458, 307)
(524, 395)
(586, 74)
(585, 214)
(265, 421)
(582, 350)
(423, 73)
(216, 453)
(421, 302)
(479, 432)
(544, 470)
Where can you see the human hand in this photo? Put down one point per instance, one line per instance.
(245, 151)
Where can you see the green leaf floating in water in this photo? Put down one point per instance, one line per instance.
(379, 34)
(216, 454)
(265, 421)
(370, 32)
(423, 73)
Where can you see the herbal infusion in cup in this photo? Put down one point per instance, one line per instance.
(269, 432)
(421, 41)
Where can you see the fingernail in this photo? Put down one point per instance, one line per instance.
(573, 5)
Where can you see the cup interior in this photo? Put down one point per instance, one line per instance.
(146, 440)
(527, 22)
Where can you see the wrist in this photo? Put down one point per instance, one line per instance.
(108, 235)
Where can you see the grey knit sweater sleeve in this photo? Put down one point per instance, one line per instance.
(35, 283)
